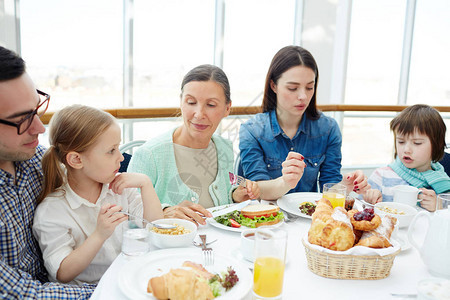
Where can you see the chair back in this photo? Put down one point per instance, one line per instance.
(237, 168)
(445, 162)
(127, 156)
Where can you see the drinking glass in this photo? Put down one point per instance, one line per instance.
(270, 255)
(443, 202)
(336, 193)
(136, 237)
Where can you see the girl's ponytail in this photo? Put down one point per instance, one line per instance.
(54, 174)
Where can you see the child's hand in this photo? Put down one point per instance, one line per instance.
(428, 198)
(293, 168)
(129, 180)
(373, 196)
(251, 191)
(356, 181)
(108, 219)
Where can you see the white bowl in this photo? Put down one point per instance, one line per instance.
(173, 241)
(403, 219)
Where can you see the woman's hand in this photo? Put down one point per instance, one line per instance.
(250, 191)
(129, 180)
(373, 196)
(428, 198)
(293, 168)
(108, 219)
(189, 211)
(356, 181)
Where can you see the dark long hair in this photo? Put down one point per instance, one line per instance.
(286, 58)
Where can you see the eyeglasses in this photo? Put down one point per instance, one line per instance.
(40, 110)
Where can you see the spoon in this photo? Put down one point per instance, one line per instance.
(160, 226)
(366, 203)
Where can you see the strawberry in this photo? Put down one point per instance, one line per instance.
(234, 223)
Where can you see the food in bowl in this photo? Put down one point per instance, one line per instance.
(172, 231)
(179, 238)
(391, 210)
(403, 212)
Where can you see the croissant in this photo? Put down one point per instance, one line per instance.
(182, 284)
(331, 229)
(338, 232)
(379, 237)
(320, 217)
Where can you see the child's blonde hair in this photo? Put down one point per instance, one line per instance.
(73, 128)
(426, 120)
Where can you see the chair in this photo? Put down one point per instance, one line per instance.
(126, 156)
(445, 162)
(237, 167)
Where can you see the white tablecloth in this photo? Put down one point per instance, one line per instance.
(299, 282)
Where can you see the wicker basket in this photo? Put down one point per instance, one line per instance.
(348, 266)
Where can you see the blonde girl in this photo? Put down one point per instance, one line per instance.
(76, 221)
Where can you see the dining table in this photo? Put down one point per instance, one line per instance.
(299, 282)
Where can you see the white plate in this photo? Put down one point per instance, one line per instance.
(239, 229)
(236, 252)
(134, 276)
(291, 202)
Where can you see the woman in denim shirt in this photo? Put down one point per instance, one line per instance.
(292, 144)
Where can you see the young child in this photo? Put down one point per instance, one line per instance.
(419, 134)
(78, 211)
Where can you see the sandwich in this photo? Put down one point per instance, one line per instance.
(260, 215)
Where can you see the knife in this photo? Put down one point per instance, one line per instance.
(404, 295)
(229, 209)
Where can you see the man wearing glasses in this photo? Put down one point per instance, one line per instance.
(22, 273)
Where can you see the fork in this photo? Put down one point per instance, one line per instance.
(237, 180)
(208, 255)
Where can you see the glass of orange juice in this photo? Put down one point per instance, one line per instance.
(270, 255)
(336, 193)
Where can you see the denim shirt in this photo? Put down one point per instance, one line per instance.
(264, 147)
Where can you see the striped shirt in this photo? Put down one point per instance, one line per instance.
(384, 179)
(23, 275)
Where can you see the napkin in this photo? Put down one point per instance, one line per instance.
(358, 250)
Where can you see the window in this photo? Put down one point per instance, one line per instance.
(254, 31)
(375, 51)
(170, 38)
(429, 76)
(64, 55)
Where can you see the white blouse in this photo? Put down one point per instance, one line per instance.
(64, 220)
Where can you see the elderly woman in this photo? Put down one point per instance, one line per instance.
(292, 145)
(189, 165)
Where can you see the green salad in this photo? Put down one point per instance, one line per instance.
(244, 221)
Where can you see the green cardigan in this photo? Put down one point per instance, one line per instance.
(156, 159)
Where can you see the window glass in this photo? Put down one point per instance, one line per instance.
(254, 31)
(429, 76)
(73, 50)
(170, 38)
(375, 51)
